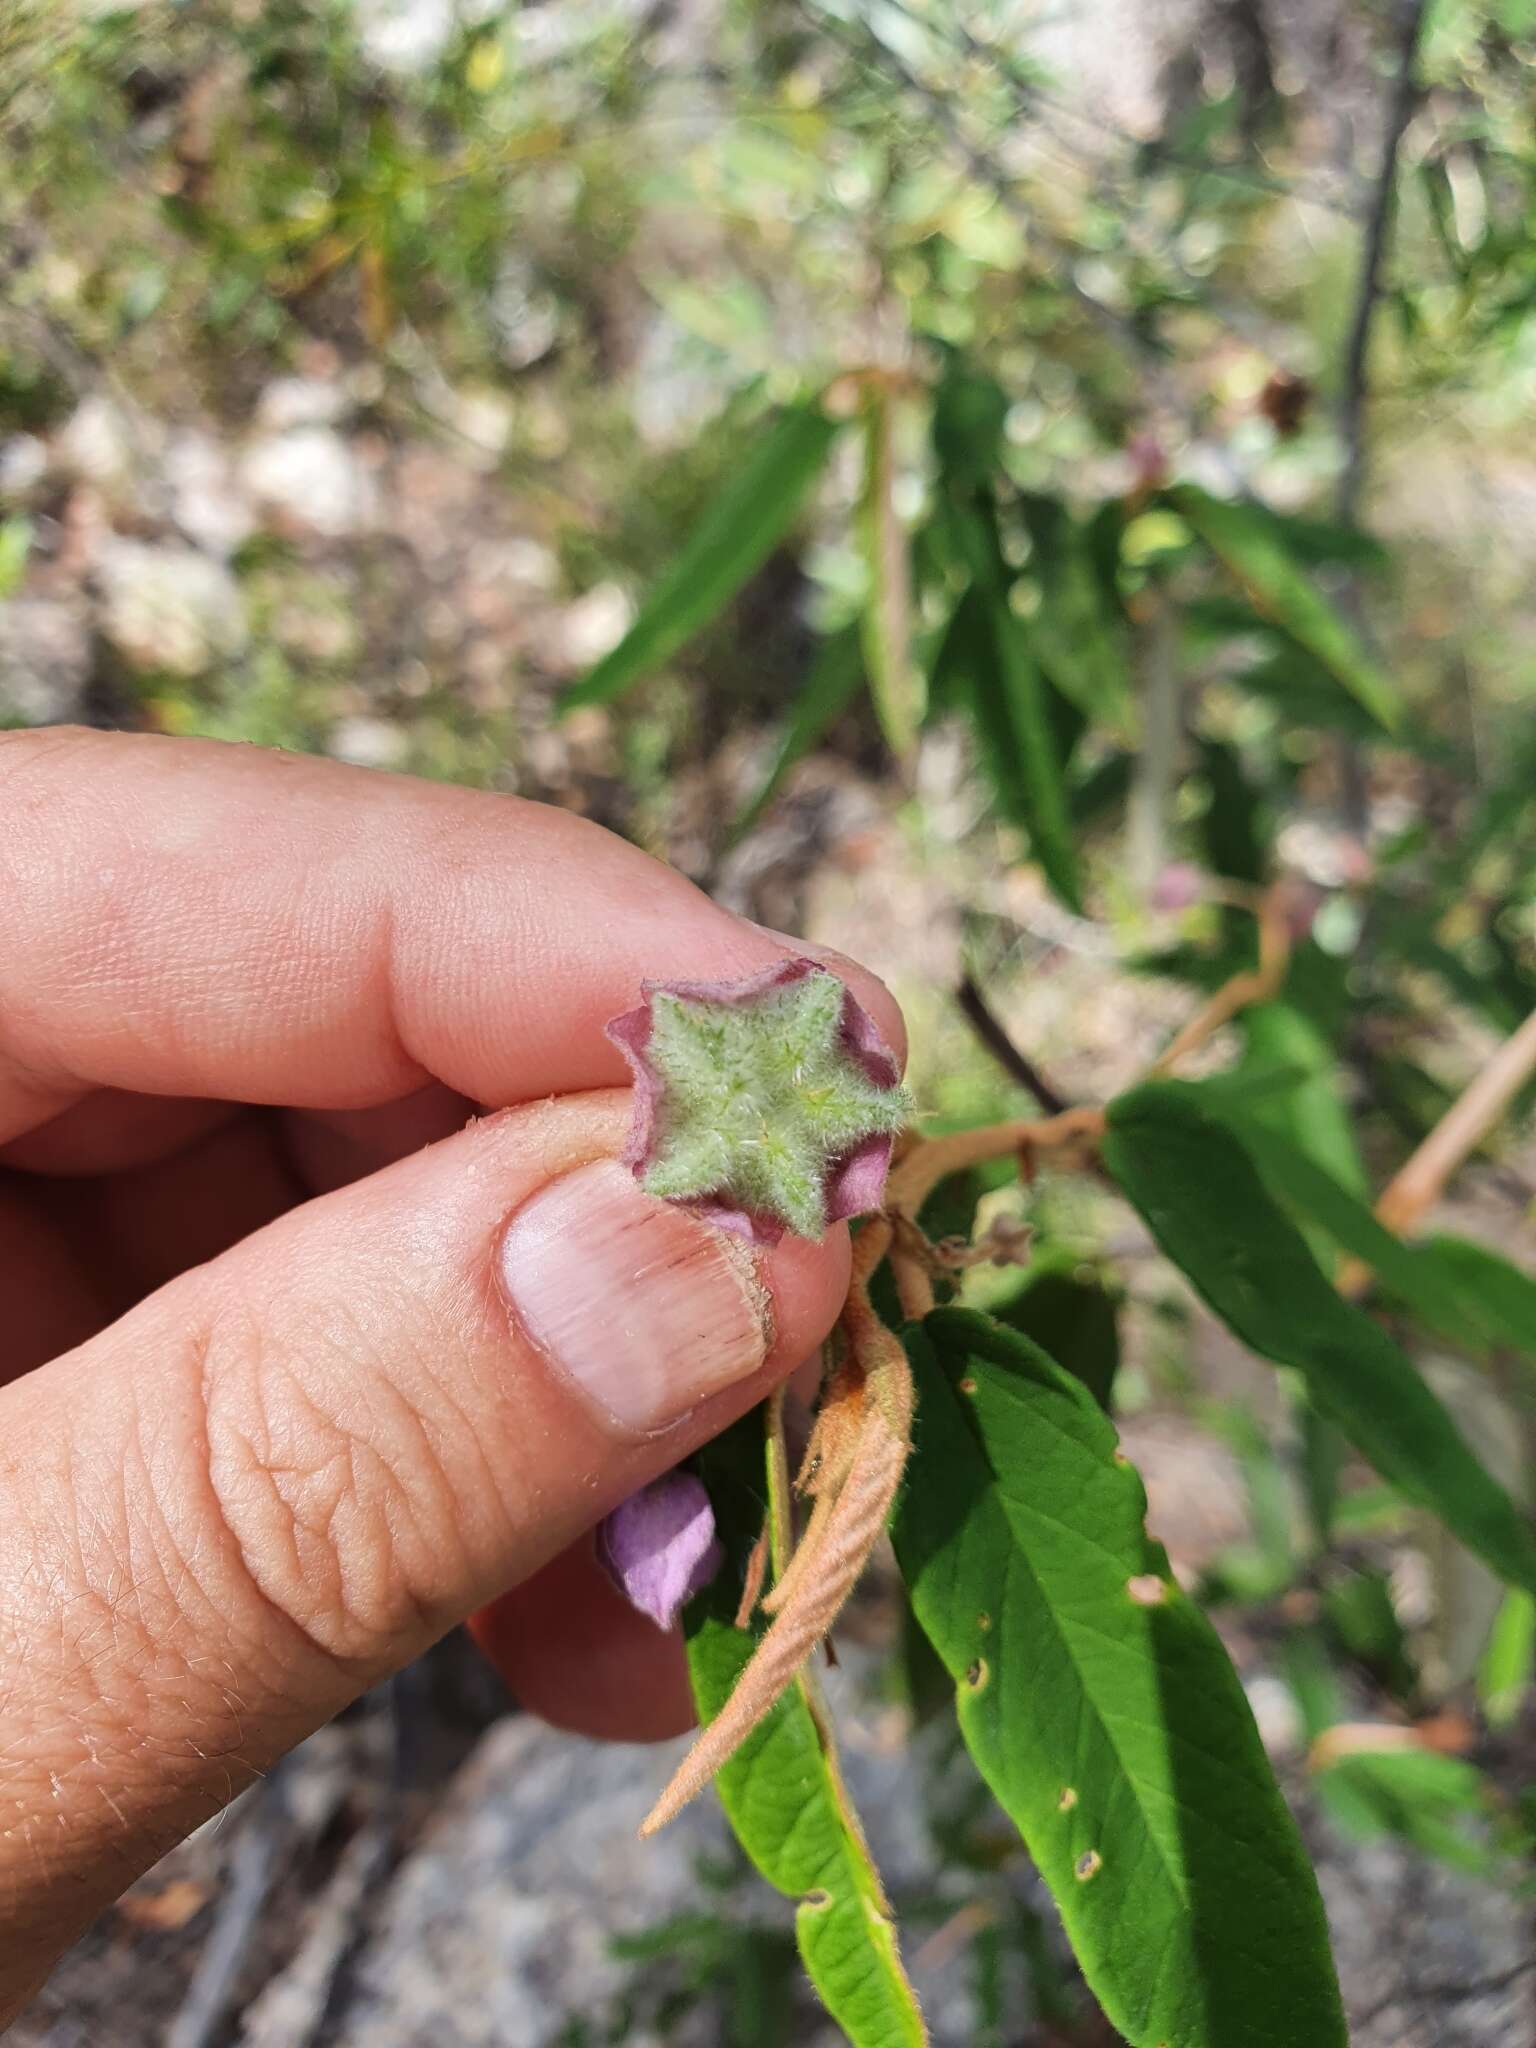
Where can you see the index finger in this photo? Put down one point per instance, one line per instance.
(189, 917)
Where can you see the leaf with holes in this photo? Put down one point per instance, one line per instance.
(782, 1790)
(1100, 1707)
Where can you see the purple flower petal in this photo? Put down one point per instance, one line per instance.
(659, 1546)
(857, 1182)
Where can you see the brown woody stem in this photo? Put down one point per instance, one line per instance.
(1254, 985)
(1417, 1186)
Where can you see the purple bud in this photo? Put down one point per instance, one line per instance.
(1180, 885)
(659, 1546)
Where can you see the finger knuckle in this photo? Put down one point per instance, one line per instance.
(327, 1484)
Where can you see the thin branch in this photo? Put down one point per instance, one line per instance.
(1252, 985)
(1017, 1065)
(1418, 1185)
(1353, 397)
(255, 1868)
(1354, 391)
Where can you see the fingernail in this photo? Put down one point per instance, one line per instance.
(644, 1309)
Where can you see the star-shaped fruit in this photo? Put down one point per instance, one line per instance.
(768, 1104)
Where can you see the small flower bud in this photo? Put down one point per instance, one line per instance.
(1179, 886)
(659, 1546)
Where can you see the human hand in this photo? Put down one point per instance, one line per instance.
(299, 1364)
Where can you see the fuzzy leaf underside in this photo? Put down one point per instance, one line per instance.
(782, 1792)
(1100, 1707)
(1205, 1203)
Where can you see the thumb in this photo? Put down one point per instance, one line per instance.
(286, 1473)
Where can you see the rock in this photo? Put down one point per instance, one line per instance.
(496, 1931)
(571, 640)
(405, 35)
(98, 444)
(45, 661)
(1428, 1957)
(292, 402)
(526, 316)
(310, 477)
(169, 609)
(484, 419)
(205, 499)
(23, 465)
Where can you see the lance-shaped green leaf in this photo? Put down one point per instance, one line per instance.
(1508, 1664)
(1246, 541)
(961, 644)
(1439, 1803)
(828, 690)
(1019, 748)
(1320, 1203)
(1078, 631)
(1278, 1035)
(783, 1792)
(895, 681)
(1498, 1300)
(734, 538)
(1100, 1707)
(1302, 690)
(1207, 1206)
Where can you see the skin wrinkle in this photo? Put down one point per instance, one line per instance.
(330, 1526)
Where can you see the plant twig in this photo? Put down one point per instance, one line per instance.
(825, 1570)
(1418, 1185)
(1354, 394)
(1415, 1188)
(858, 1450)
(254, 1870)
(1253, 985)
(1016, 1064)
